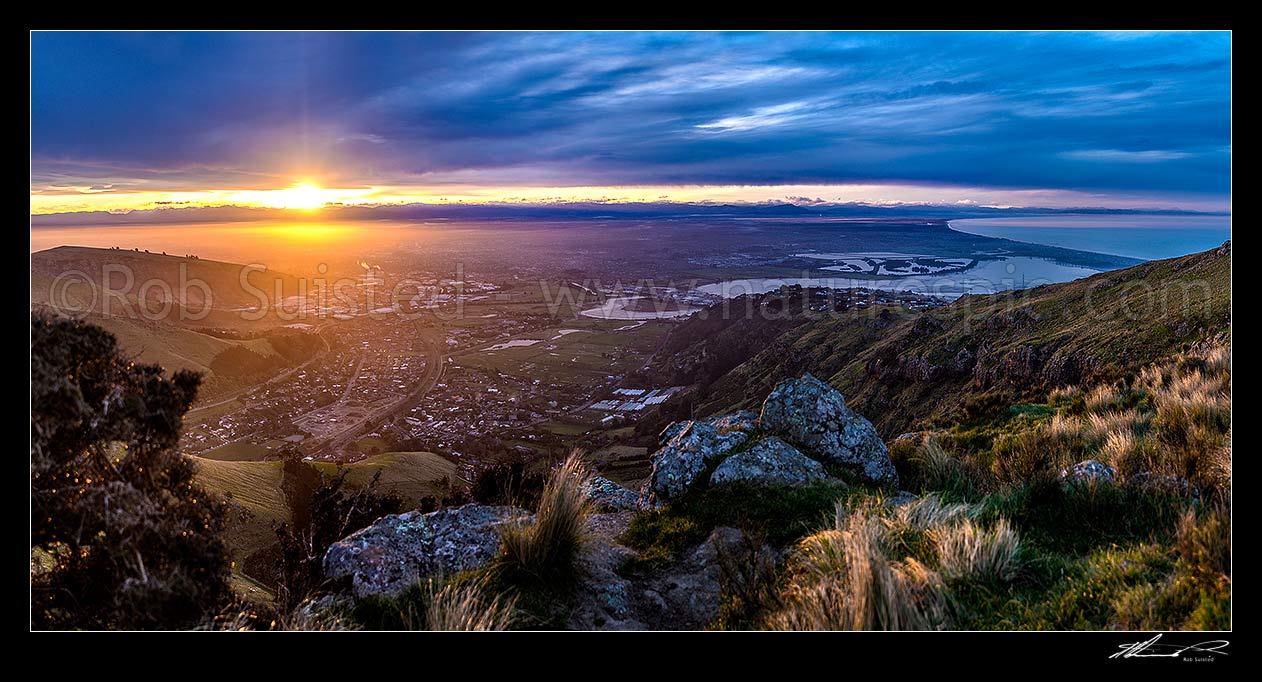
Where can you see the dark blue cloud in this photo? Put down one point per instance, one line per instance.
(1135, 113)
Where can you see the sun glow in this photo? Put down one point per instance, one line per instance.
(304, 196)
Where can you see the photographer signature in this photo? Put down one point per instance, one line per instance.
(1152, 649)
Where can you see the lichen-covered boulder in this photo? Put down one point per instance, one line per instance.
(737, 421)
(770, 461)
(607, 496)
(743, 420)
(1165, 482)
(813, 416)
(672, 429)
(399, 550)
(678, 465)
(1089, 471)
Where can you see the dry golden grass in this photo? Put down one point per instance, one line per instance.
(1172, 419)
(845, 581)
(967, 551)
(548, 548)
(857, 575)
(466, 607)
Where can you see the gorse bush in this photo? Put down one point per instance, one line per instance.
(121, 536)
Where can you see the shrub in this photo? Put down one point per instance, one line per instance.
(507, 484)
(121, 536)
(323, 511)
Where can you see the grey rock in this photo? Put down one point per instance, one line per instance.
(688, 594)
(771, 461)
(813, 416)
(744, 420)
(672, 429)
(1167, 482)
(901, 498)
(609, 525)
(399, 550)
(737, 421)
(604, 599)
(913, 438)
(607, 496)
(1089, 471)
(678, 465)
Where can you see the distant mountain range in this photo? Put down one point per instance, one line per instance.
(563, 211)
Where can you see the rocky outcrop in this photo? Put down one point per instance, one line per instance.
(1089, 471)
(771, 461)
(744, 420)
(678, 465)
(607, 496)
(812, 415)
(398, 550)
(803, 427)
(687, 596)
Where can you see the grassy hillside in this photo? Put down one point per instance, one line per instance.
(258, 504)
(157, 332)
(412, 475)
(997, 349)
(222, 279)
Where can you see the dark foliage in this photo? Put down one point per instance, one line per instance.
(508, 483)
(1077, 518)
(121, 536)
(780, 515)
(323, 511)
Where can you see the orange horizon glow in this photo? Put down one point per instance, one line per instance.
(307, 196)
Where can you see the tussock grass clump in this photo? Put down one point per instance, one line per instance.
(892, 569)
(466, 607)
(846, 581)
(546, 550)
(1171, 419)
(466, 601)
(968, 551)
(933, 469)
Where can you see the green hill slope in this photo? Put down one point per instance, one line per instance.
(412, 475)
(1005, 346)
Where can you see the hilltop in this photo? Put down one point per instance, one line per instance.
(222, 279)
(170, 328)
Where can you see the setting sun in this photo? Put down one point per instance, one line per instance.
(304, 196)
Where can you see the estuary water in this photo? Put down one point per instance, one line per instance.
(1150, 237)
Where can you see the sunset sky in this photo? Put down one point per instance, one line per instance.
(125, 121)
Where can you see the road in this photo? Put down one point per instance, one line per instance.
(340, 442)
(279, 377)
